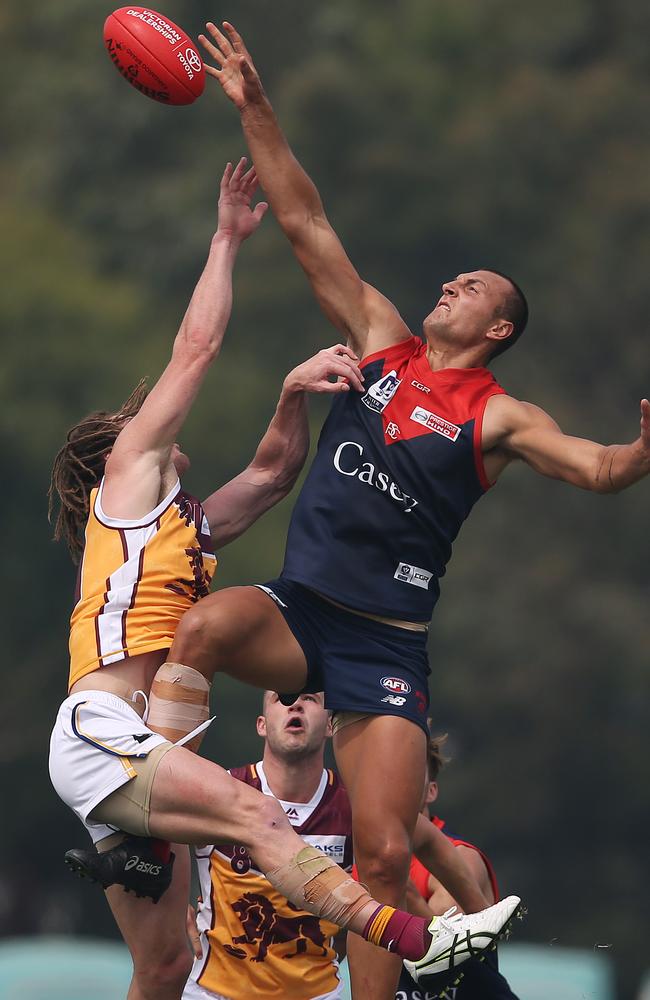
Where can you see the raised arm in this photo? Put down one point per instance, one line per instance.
(439, 856)
(282, 451)
(513, 429)
(358, 310)
(140, 468)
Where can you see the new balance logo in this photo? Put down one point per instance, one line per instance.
(394, 699)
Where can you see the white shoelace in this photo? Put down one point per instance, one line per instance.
(449, 920)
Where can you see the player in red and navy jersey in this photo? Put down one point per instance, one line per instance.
(398, 469)
(480, 979)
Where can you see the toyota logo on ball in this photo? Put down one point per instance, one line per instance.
(193, 59)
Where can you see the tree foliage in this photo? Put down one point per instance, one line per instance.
(443, 136)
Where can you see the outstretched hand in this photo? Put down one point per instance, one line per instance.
(338, 362)
(236, 217)
(234, 67)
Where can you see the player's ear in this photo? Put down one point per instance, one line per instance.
(500, 330)
(432, 792)
(261, 726)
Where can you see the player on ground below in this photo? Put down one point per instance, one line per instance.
(479, 978)
(252, 941)
(147, 558)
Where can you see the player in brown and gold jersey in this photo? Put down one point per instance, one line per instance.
(251, 941)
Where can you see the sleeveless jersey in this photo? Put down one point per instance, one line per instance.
(481, 979)
(136, 579)
(396, 473)
(255, 943)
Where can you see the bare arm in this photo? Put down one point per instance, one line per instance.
(358, 310)
(282, 451)
(521, 430)
(139, 470)
(440, 899)
(437, 853)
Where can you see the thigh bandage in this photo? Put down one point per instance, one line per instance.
(178, 703)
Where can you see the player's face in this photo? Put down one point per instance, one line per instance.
(467, 309)
(297, 730)
(180, 460)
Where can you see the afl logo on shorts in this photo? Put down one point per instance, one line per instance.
(396, 685)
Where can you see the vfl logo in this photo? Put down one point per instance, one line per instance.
(414, 575)
(394, 699)
(435, 423)
(396, 685)
(380, 394)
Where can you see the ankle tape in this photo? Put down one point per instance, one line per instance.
(179, 701)
(315, 883)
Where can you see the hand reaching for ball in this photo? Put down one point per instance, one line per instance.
(234, 67)
(236, 217)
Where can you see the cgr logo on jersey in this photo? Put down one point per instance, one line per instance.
(435, 423)
(380, 393)
(414, 575)
(396, 685)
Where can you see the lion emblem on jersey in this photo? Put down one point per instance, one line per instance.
(264, 926)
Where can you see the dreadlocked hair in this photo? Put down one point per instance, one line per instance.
(79, 467)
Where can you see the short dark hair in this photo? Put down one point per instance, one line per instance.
(514, 309)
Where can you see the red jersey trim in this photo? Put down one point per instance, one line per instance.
(394, 351)
(478, 439)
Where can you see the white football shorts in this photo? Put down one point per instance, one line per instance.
(95, 738)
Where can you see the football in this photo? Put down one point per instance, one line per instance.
(156, 56)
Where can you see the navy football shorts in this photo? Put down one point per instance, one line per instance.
(361, 665)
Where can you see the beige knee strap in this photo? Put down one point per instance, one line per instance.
(179, 701)
(314, 883)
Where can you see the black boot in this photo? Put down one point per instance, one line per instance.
(133, 864)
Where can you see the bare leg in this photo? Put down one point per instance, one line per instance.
(240, 632)
(155, 935)
(382, 763)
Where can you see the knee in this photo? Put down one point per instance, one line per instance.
(163, 974)
(263, 821)
(383, 859)
(204, 629)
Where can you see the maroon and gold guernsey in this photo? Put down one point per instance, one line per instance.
(136, 580)
(255, 943)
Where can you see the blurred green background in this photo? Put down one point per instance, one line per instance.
(444, 135)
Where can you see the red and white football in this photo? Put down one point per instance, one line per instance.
(156, 56)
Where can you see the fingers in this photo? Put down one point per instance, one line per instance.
(239, 172)
(260, 211)
(236, 40)
(225, 179)
(225, 47)
(343, 349)
(212, 51)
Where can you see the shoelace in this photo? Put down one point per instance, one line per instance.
(449, 920)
